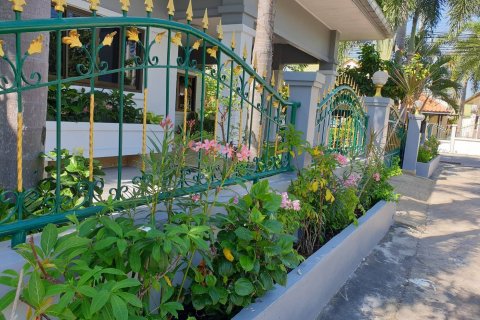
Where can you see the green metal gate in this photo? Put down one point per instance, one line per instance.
(341, 120)
(396, 136)
(86, 39)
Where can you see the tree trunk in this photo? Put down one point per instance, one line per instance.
(413, 33)
(34, 103)
(463, 98)
(400, 41)
(263, 49)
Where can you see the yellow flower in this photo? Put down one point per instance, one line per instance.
(73, 39)
(109, 39)
(213, 52)
(316, 152)
(36, 45)
(329, 196)
(2, 53)
(167, 280)
(159, 36)
(314, 186)
(132, 35)
(177, 39)
(228, 254)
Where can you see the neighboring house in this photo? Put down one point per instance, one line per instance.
(351, 64)
(471, 114)
(436, 111)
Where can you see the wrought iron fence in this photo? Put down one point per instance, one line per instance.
(396, 136)
(341, 120)
(245, 109)
(438, 131)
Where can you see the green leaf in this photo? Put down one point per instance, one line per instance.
(273, 226)
(266, 281)
(272, 202)
(68, 243)
(126, 283)
(87, 291)
(244, 234)
(247, 263)
(210, 280)
(122, 245)
(130, 299)
(119, 307)
(7, 299)
(99, 301)
(256, 216)
(49, 238)
(112, 225)
(36, 290)
(243, 287)
(105, 243)
(172, 308)
(135, 260)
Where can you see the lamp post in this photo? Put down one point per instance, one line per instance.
(379, 79)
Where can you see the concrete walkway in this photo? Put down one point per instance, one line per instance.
(428, 265)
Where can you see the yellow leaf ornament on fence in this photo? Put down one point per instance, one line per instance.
(109, 38)
(73, 39)
(159, 36)
(36, 46)
(213, 52)
(132, 35)
(177, 39)
(196, 44)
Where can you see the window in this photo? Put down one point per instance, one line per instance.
(191, 91)
(110, 54)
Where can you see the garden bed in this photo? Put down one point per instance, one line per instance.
(427, 169)
(312, 284)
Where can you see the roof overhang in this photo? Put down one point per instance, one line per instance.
(353, 19)
(475, 99)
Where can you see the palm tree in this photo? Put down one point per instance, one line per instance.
(263, 51)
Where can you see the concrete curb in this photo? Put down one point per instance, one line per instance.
(427, 169)
(312, 284)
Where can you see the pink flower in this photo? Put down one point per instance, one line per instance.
(376, 176)
(166, 123)
(195, 146)
(341, 159)
(352, 180)
(196, 197)
(289, 204)
(244, 153)
(235, 200)
(296, 205)
(190, 124)
(228, 151)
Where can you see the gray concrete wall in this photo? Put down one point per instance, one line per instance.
(311, 285)
(427, 169)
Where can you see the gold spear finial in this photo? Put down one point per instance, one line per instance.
(171, 8)
(254, 61)
(272, 81)
(190, 11)
(94, 5)
(149, 5)
(245, 52)
(125, 5)
(220, 30)
(234, 43)
(60, 5)
(205, 19)
(17, 5)
(2, 53)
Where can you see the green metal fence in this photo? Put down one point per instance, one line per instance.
(396, 136)
(259, 118)
(341, 121)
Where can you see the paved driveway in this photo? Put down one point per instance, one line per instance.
(428, 265)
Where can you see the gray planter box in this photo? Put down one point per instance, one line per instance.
(312, 284)
(427, 169)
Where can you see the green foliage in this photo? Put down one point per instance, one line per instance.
(428, 150)
(251, 254)
(76, 106)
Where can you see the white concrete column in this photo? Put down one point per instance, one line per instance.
(413, 142)
(305, 88)
(452, 138)
(330, 77)
(378, 111)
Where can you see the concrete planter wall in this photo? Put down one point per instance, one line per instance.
(312, 284)
(427, 169)
(75, 135)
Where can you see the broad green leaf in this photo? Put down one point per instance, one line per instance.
(244, 234)
(7, 299)
(105, 243)
(210, 280)
(87, 291)
(172, 308)
(266, 281)
(135, 260)
(36, 290)
(273, 226)
(272, 202)
(122, 245)
(49, 238)
(130, 299)
(243, 287)
(256, 216)
(247, 263)
(99, 300)
(126, 283)
(119, 307)
(112, 225)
